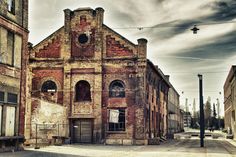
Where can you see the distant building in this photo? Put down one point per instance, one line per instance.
(175, 117)
(89, 83)
(13, 60)
(230, 100)
(187, 119)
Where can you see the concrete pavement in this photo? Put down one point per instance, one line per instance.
(182, 148)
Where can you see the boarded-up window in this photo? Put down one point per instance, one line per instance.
(82, 91)
(17, 51)
(117, 89)
(10, 48)
(10, 121)
(1, 96)
(12, 98)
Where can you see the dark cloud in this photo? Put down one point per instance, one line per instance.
(170, 29)
(224, 10)
(222, 47)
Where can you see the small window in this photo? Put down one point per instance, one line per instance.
(12, 98)
(1, 96)
(82, 91)
(83, 38)
(117, 89)
(49, 86)
(117, 120)
(11, 6)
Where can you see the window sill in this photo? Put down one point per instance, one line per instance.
(116, 132)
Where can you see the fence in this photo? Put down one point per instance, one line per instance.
(47, 134)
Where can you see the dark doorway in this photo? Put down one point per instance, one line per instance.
(82, 131)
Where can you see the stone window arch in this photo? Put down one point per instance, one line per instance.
(49, 86)
(117, 89)
(82, 91)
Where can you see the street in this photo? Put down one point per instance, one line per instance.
(181, 147)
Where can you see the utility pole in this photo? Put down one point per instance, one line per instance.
(218, 112)
(194, 109)
(202, 125)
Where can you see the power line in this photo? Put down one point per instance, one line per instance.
(174, 26)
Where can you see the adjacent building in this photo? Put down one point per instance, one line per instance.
(230, 100)
(13, 59)
(187, 119)
(175, 116)
(92, 85)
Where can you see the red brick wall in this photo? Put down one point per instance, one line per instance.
(52, 50)
(82, 50)
(114, 48)
(40, 74)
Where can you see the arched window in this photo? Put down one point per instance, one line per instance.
(117, 89)
(82, 91)
(49, 86)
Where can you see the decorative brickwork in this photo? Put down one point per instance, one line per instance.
(52, 50)
(115, 49)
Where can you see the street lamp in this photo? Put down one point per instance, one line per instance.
(202, 125)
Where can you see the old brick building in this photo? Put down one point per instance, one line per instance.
(89, 83)
(13, 58)
(175, 116)
(230, 101)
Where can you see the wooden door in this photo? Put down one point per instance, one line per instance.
(82, 131)
(10, 121)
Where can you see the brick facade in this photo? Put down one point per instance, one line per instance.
(100, 74)
(230, 101)
(13, 61)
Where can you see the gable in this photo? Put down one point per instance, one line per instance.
(51, 50)
(117, 46)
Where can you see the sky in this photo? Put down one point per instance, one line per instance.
(166, 25)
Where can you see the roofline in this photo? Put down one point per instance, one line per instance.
(230, 74)
(48, 37)
(158, 71)
(130, 42)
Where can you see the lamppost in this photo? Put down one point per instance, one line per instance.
(202, 125)
(218, 112)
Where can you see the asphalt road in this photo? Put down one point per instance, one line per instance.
(178, 148)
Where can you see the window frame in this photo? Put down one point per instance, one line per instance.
(11, 6)
(11, 45)
(112, 93)
(87, 97)
(121, 125)
(2, 101)
(53, 90)
(12, 102)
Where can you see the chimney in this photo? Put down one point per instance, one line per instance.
(142, 48)
(167, 77)
(100, 16)
(67, 14)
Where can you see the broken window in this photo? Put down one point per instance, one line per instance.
(11, 6)
(117, 89)
(12, 98)
(82, 91)
(117, 120)
(49, 86)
